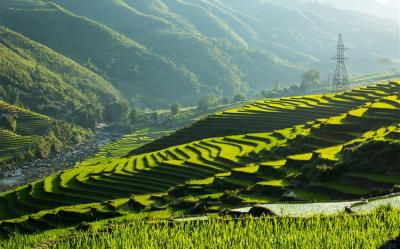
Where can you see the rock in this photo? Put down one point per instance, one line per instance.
(135, 205)
(258, 211)
(348, 210)
(83, 226)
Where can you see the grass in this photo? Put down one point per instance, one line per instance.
(274, 183)
(394, 179)
(341, 188)
(30, 127)
(35, 135)
(113, 151)
(344, 231)
(296, 163)
(275, 114)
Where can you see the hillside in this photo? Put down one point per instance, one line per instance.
(312, 28)
(128, 65)
(125, 58)
(161, 51)
(47, 82)
(263, 116)
(25, 134)
(330, 151)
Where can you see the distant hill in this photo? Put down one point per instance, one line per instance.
(312, 29)
(388, 10)
(133, 69)
(170, 58)
(156, 52)
(47, 82)
(381, 9)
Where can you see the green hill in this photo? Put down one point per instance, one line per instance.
(269, 115)
(128, 65)
(186, 59)
(25, 134)
(330, 151)
(161, 51)
(44, 81)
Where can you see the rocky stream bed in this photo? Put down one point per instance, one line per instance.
(19, 173)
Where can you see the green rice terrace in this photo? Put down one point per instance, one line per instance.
(24, 133)
(293, 156)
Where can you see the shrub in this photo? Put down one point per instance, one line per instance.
(174, 109)
(376, 156)
(207, 102)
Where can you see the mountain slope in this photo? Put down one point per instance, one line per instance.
(159, 51)
(203, 55)
(44, 81)
(141, 75)
(25, 134)
(243, 120)
(330, 157)
(312, 29)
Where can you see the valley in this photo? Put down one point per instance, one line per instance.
(14, 174)
(316, 159)
(199, 124)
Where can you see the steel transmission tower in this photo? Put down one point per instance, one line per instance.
(340, 78)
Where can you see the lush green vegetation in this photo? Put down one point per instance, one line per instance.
(25, 134)
(345, 231)
(317, 170)
(46, 82)
(157, 52)
(323, 156)
(270, 115)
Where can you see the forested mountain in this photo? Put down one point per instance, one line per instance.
(34, 76)
(155, 52)
(312, 29)
(384, 9)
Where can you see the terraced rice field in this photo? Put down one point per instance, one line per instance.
(273, 114)
(281, 150)
(123, 146)
(30, 127)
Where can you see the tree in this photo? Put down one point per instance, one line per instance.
(117, 111)
(238, 97)
(310, 79)
(174, 108)
(207, 102)
(89, 115)
(2, 93)
(385, 61)
(8, 120)
(154, 116)
(134, 116)
(225, 101)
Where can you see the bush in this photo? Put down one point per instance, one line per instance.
(310, 79)
(174, 109)
(238, 97)
(8, 122)
(207, 102)
(374, 156)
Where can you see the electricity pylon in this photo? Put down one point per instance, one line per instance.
(340, 78)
